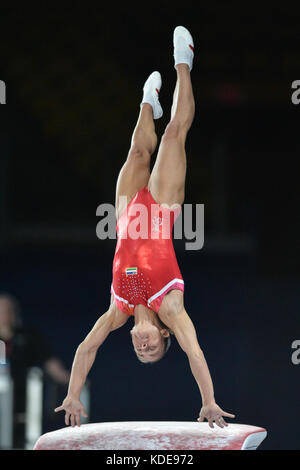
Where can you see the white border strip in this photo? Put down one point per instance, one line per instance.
(174, 281)
(120, 298)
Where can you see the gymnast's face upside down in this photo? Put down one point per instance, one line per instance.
(148, 340)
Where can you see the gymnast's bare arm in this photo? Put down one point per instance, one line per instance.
(185, 333)
(83, 361)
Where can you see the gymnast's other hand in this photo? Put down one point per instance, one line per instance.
(73, 408)
(213, 413)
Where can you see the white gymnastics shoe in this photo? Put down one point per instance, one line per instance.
(151, 94)
(183, 47)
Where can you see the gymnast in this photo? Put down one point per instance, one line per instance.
(147, 283)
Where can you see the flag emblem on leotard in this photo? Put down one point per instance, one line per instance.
(131, 271)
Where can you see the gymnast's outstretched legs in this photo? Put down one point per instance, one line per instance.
(135, 172)
(167, 178)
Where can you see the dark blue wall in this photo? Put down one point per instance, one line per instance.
(245, 325)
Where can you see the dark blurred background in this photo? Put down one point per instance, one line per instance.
(74, 78)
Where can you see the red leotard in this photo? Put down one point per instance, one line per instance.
(145, 267)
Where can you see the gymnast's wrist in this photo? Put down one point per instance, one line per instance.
(74, 395)
(208, 401)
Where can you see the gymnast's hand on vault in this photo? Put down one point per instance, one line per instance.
(213, 413)
(73, 408)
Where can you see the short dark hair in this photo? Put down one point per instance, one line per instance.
(167, 343)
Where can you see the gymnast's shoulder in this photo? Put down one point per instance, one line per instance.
(117, 318)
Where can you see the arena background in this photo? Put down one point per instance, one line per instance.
(74, 79)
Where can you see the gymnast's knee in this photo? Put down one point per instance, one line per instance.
(176, 130)
(138, 153)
